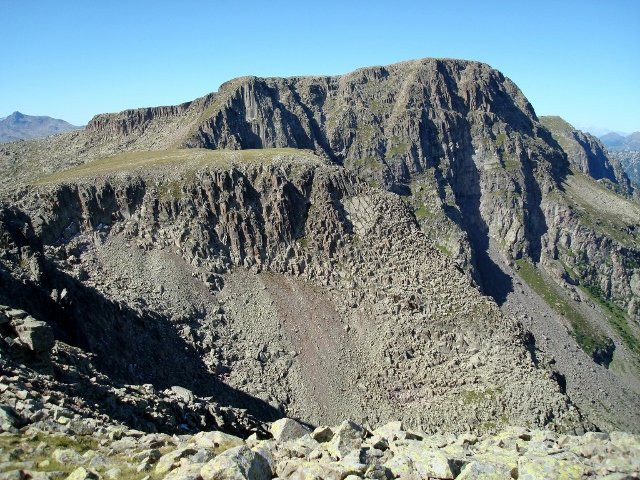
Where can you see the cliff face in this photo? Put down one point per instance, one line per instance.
(271, 274)
(456, 138)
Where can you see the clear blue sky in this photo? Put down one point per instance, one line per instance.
(73, 59)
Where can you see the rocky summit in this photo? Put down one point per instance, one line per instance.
(407, 253)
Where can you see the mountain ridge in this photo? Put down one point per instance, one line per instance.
(432, 178)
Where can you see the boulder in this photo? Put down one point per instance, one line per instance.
(322, 434)
(184, 393)
(484, 471)
(35, 334)
(549, 467)
(347, 437)
(237, 463)
(287, 429)
(9, 419)
(82, 473)
(67, 456)
(185, 472)
(413, 459)
(169, 461)
(216, 441)
(390, 431)
(300, 469)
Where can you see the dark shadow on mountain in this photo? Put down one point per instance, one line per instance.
(464, 178)
(495, 282)
(132, 345)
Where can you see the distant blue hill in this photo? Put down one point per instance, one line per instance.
(19, 126)
(614, 141)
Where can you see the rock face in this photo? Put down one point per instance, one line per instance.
(337, 270)
(276, 260)
(456, 136)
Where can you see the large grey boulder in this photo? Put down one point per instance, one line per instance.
(347, 437)
(216, 441)
(82, 473)
(171, 460)
(9, 419)
(35, 334)
(237, 463)
(287, 429)
(411, 458)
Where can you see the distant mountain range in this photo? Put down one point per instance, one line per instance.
(626, 150)
(19, 126)
(615, 141)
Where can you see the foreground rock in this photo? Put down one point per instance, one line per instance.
(388, 452)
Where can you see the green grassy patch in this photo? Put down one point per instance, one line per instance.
(23, 447)
(591, 339)
(616, 317)
(189, 157)
(171, 191)
(476, 396)
(304, 242)
(500, 139)
(364, 133)
(511, 164)
(422, 212)
(444, 250)
(397, 150)
(368, 163)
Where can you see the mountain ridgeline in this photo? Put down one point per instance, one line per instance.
(404, 242)
(461, 128)
(19, 126)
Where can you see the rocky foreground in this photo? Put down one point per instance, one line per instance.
(83, 450)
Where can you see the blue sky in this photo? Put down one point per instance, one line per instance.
(73, 59)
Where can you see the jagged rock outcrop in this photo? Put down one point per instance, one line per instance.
(459, 130)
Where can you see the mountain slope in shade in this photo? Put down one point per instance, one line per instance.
(19, 126)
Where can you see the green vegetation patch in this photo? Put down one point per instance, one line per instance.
(444, 250)
(189, 158)
(616, 317)
(590, 339)
(500, 139)
(368, 163)
(422, 212)
(477, 396)
(39, 449)
(397, 148)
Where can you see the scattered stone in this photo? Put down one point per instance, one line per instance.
(81, 473)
